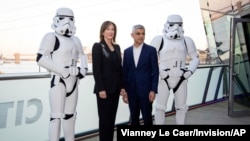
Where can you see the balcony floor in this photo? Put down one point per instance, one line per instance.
(213, 114)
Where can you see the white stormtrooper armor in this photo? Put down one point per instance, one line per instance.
(60, 53)
(173, 49)
(64, 22)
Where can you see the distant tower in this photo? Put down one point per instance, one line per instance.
(1, 58)
(17, 58)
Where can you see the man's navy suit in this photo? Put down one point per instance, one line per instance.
(139, 81)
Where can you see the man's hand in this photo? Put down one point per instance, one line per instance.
(151, 96)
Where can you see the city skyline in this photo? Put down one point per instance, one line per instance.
(23, 25)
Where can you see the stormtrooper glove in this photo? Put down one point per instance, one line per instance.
(187, 74)
(164, 74)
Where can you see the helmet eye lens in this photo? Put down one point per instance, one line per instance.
(61, 18)
(175, 23)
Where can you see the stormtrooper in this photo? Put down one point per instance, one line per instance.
(62, 55)
(173, 48)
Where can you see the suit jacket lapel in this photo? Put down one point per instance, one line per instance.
(131, 57)
(141, 57)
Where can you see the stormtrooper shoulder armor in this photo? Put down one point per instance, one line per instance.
(156, 42)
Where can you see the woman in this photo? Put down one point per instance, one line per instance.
(107, 72)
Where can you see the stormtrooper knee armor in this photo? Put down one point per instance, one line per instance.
(160, 114)
(181, 114)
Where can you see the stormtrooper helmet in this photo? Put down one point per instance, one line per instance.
(63, 22)
(173, 28)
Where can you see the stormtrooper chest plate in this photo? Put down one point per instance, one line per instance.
(173, 49)
(67, 52)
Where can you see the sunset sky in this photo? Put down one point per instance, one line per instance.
(23, 23)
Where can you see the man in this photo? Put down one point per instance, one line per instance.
(173, 49)
(59, 52)
(141, 74)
